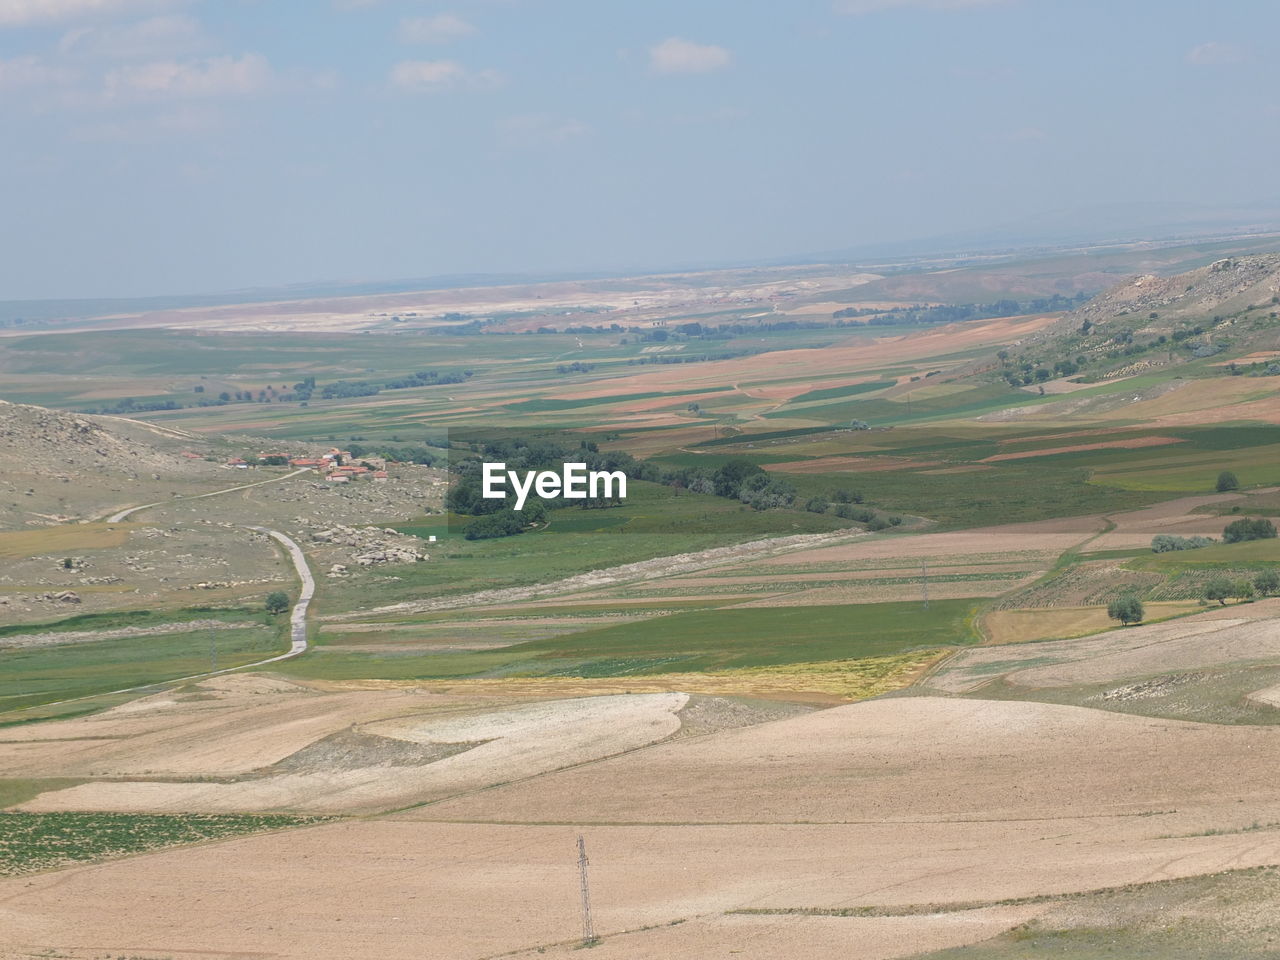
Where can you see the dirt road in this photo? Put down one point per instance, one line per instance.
(120, 515)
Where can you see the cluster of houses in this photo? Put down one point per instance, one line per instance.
(336, 466)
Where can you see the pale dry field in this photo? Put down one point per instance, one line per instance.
(1040, 623)
(1035, 544)
(1135, 529)
(1226, 635)
(887, 803)
(220, 755)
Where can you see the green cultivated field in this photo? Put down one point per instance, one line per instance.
(34, 675)
(697, 640)
(32, 842)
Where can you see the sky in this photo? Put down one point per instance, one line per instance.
(180, 146)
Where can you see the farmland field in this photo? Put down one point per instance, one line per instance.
(847, 638)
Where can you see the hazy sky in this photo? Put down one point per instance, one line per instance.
(158, 147)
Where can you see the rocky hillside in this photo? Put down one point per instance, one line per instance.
(1222, 288)
(58, 442)
(61, 466)
(1226, 310)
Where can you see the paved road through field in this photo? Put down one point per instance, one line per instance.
(298, 617)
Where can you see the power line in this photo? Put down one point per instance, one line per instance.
(588, 930)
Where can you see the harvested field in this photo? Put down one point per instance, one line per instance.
(223, 727)
(492, 746)
(1035, 544)
(1135, 528)
(1004, 800)
(1190, 643)
(1052, 623)
(910, 590)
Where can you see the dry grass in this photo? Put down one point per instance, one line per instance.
(828, 681)
(1063, 623)
(65, 538)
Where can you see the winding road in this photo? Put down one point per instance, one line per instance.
(298, 616)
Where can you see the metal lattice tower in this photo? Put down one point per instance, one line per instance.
(588, 930)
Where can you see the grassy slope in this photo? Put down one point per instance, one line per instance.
(34, 675)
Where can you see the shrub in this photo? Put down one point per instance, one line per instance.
(1227, 481)
(1267, 582)
(816, 505)
(1249, 528)
(1166, 543)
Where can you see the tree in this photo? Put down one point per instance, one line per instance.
(1242, 590)
(1127, 609)
(1219, 588)
(1267, 582)
(1248, 528)
(729, 478)
(277, 601)
(1227, 481)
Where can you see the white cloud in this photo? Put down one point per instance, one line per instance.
(30, 73)
(213, 77)
(442, 28)
(157, 36)
(434, 76)
(874, 6)
(677, 55)
(17, 13)
(539, 128)
(1214, 54)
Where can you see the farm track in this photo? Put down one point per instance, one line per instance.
(121, 515)
(610, 576)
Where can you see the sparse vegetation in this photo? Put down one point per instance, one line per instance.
(32, 842)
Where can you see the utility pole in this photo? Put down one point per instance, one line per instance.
(924, 581)
(213, 652)
(588, 931)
